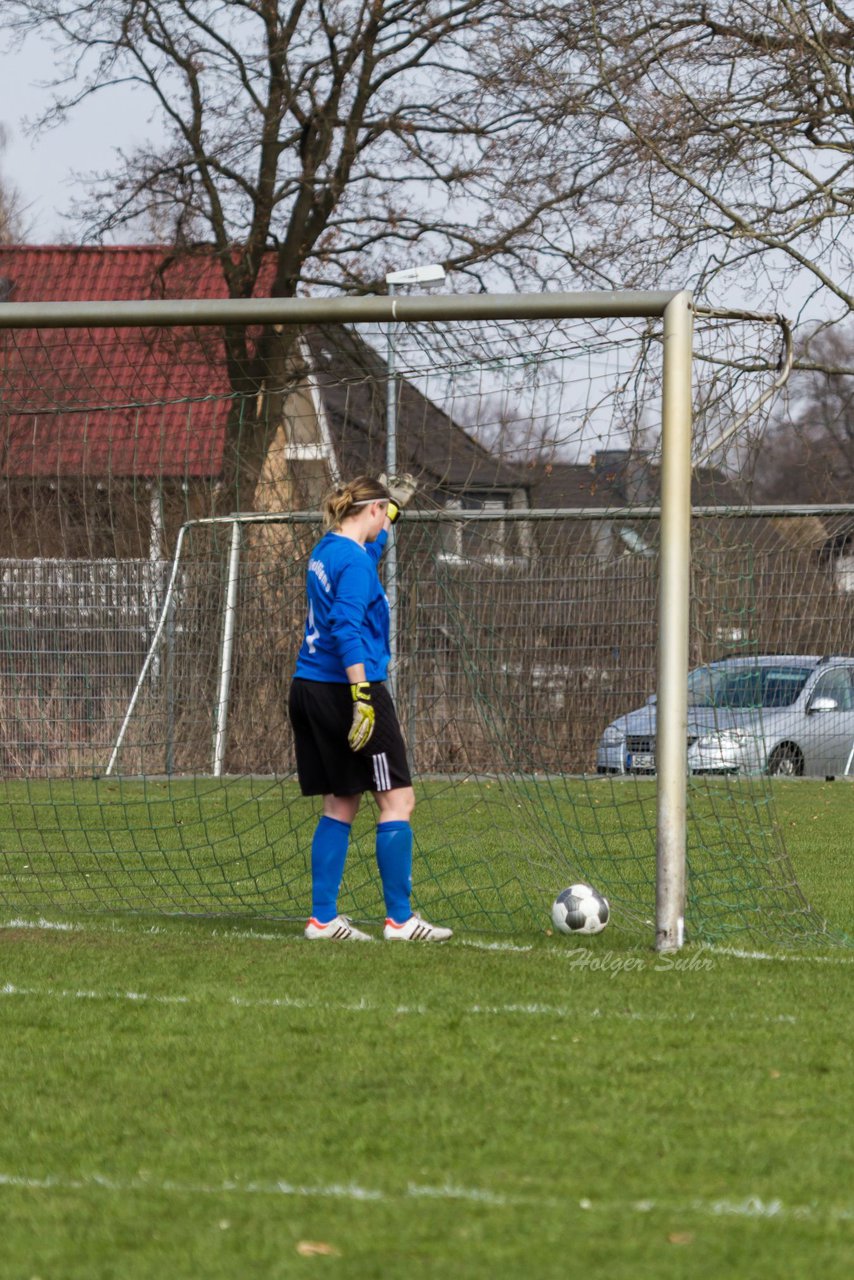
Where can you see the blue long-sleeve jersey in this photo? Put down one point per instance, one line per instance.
(348, 618)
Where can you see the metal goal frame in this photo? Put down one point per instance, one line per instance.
(675, 310)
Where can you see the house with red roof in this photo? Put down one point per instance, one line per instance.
(107, 437)
(111, 438)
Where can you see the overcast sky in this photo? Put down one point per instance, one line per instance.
(43, 170)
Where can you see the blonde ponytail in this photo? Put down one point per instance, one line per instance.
(346, 499)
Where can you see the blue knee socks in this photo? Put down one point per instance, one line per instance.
(328, 855)
(394, 859)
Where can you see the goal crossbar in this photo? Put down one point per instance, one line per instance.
(525, 515)
(592, 305)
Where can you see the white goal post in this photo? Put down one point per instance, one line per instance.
(675, 310)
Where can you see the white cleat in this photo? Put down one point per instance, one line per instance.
(341, 929)
(415, 930)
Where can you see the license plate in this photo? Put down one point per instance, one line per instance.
(640, 760)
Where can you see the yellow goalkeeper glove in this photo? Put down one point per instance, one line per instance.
(364, 715)
(400, 492)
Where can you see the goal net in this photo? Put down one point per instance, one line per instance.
(149, 635)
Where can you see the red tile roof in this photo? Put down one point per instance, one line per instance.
(155, 403)
(116, 402)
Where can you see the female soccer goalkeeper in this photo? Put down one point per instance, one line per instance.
(347, 736)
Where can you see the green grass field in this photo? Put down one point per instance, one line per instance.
(218, 1098)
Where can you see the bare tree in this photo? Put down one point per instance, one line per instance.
(510, 429)
(342, 136)
(604, 142)
(723, 134)
(11, 224)
(808, 454)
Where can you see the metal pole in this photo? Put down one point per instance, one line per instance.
(345, 310)
(227, 650)
(170, 688)
(534, 514)
(155, 539)
(152, 649)
(391, 469)
(672, 711)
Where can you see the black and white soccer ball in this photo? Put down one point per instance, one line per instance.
(580, 909)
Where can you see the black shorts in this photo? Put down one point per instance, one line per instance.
(321, 715)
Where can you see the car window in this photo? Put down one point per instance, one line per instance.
(781, 686)
(836, 684)
(746, 686)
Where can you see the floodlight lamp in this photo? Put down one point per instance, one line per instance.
(432, 274)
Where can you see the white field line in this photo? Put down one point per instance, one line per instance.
(789, 957)
(569, 952)
(534, 1010)
(58, 926)
(331, 1191)
(558, 952)
(750, 1207)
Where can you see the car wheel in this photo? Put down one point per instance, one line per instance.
(786, 761)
